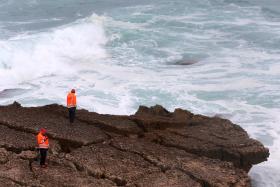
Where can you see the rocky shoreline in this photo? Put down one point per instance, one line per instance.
(154, 147)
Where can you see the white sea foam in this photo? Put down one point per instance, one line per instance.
(118, 62)
(54, 52)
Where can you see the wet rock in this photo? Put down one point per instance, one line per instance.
(174, 178)
(182, 115)
(158, 117)
(4, 154)
(16, 104)
(110, 123)
(18, 171)
(105, 161)
(32, 119)
(16, 141)
(154, 147)
(156, 110)
(209, 172)
(57, 175)
(8, 182)
(28, 155)
(186, 62)
(55, 149)
(220, 139)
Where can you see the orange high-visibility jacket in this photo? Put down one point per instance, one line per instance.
(43, 141)
(71, 100)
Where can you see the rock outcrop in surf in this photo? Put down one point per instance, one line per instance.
(154, 147)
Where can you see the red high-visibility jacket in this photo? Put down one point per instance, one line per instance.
(43, 141)
(71, 100)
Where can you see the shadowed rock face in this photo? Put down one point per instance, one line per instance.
(154, 147)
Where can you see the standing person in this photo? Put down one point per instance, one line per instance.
(43, 143)
(71, 105)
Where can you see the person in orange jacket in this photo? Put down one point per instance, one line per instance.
(43, 144)
(71, 105)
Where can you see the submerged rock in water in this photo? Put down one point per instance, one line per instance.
(154, 147)
(186, 62)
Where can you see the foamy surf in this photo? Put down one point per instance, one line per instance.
(27, 57)
(129, 56)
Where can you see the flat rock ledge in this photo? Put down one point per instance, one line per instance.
(154, 147)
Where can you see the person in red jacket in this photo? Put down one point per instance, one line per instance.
(71, 105)
(43, 144)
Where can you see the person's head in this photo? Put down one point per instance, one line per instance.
(43, 131)
(73, 91)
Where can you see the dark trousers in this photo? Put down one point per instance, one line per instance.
(43, 156)
(72, 112)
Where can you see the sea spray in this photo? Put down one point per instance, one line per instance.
(53, 52)
(128, 55)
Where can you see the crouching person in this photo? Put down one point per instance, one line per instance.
(43, 144)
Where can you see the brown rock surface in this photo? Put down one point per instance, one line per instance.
(58, 174)
(154, 147)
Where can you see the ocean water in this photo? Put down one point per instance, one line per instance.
(126, 53)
